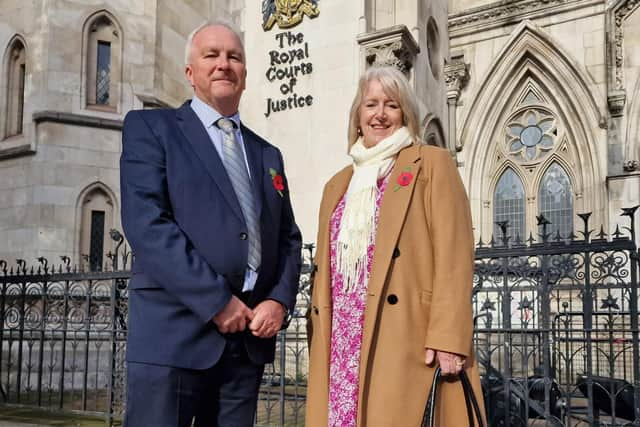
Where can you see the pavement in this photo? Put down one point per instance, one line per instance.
(27, 417)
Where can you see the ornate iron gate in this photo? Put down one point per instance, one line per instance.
(63, 334)
(557, 327)
(556, 333)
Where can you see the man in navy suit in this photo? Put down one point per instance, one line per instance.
(206, 209)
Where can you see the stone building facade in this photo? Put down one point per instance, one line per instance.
(536, 100)
(72, 69)
(544, 100)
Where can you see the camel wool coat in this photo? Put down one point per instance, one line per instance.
(419, 296)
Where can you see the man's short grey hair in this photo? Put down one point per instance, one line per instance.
(206, 24)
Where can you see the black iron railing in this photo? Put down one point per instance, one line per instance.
(556, 333)
(557, 327)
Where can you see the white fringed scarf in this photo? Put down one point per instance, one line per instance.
(358, 219)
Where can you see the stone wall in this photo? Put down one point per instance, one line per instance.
(67, 146)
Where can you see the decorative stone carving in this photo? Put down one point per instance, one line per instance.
(394, 46)
(498, 10)
(456, 75)
(620, 14)
(631, 165)
(616, 101)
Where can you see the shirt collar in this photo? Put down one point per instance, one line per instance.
(208, 116)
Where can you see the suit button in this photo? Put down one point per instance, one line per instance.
(396, 253)
(315, 309)
(243, 236)
(392, 299)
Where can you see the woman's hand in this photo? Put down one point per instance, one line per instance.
(450, 363)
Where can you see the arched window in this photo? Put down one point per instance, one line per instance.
(535, 144)
(509, 205)
(555, 200)
(16, 72)
(103, 41)
(96, 220)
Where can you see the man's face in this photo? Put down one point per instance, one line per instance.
(217, 69)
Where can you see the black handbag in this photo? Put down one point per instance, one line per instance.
(470, 401)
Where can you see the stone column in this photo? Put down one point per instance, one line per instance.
(456, 75)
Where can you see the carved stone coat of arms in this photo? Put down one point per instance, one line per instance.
(287, 13)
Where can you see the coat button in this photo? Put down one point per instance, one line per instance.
(315, 310)
(243, 236)
(396, 253)
(392, 299)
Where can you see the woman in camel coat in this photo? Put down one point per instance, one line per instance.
(380, 329)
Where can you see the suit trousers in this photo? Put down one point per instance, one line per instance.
(224, 395)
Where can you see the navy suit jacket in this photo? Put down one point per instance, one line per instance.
(185, 225)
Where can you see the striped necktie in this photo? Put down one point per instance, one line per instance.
(234, 163)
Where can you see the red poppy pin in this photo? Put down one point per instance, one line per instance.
(404, 179)
(278, 182)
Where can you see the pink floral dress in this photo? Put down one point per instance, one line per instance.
(346, 328)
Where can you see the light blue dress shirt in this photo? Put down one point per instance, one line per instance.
(208, 116)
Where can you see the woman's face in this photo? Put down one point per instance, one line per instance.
(380, 115)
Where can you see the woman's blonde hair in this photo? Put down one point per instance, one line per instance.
(396, 86)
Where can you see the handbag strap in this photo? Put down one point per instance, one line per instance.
(470, 396)
(470, 400)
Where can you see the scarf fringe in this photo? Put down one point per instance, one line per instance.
(358, 224)
(355, 236)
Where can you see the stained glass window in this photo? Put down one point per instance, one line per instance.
(509, 205)
(555, 200)
(97, 240)
(20, 113)
(103, 73)
(530, 135)
(16, 75)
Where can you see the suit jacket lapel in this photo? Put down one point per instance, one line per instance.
(393, 210)
(254, 156)
(197, 136)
